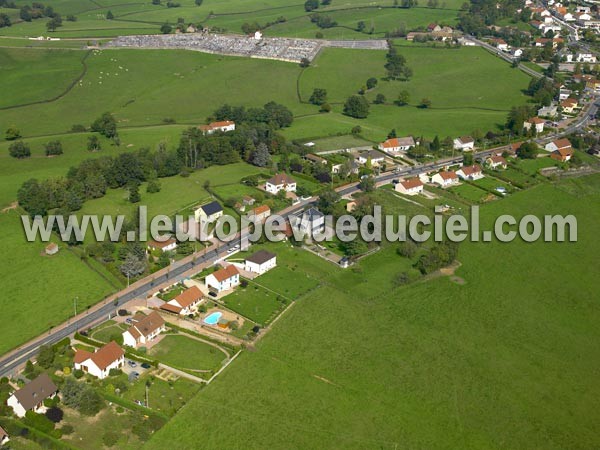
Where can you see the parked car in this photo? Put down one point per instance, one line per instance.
(146, 366)
(212, 294)
(131, 363)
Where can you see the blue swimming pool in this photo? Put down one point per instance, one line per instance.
(212, 319)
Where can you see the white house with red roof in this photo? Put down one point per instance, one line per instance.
(473, 172)
(167, 245)
(185, 303)
(279, 182)
(536, 123)
(445, 178)
(223, 279)
(559, 144)
(100, 363)
(410, 186)
(223, 126)
(145, 328)
(397, 145)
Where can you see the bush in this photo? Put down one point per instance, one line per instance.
(38, 421)
(54, 414)
(67, 429)
(110, 438)
(78, 373)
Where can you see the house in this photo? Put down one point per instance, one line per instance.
(433, 27)
(495, 162)
(472, 173)
(280, 181)
(568, 106)
(464, 143)
(145, 328)
(517, 52)
(585, 57)
(416, 35)
(100, 363)
(548, 111)
(223, 279)
(165, 246)
(374, 156)
(258, 35)
(536, 123)
(410, 186)
(223, 126)
(310, 221)
(3, 436)
(445, 178)
(315, 159)
(583, 17)
(465, 41)
(353, 167)
(564, 94)
(541, 42)
(185, 303)
(395, 145)
(248, 201)
(583, 9)
(260, 262)
(569, 17)
(259, 214)
(562, 154)
(500, 43)
(208, 213)
(592, 84)
(31, 396)
(191, 29)
(51, 249)
(559, 144)
(350, 206)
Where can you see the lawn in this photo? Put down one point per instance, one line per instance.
(109, 331)
(469, 192)
(255, 302)
(183, 352)
(429, 365)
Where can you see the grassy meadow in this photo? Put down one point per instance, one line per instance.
(505, 358)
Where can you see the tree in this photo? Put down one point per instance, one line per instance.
(53, 24)
(325, 107)
(356, 106)
(360, 26)
(367, 184)
(153, 186)
(166, 28)
(467, 159)
(134, 193)
(408, 249)
(19, 150)
(45, 356)
(327, 201)
(93, 144)
(106, 125)
(25, 13)
(132, 266)
(82, 397)
(4, 20)
(261, 156)
(371, 83)
(528, 150)
(109, 15)
(311, 5)
(425, 103)
(318, 97)
(304, 62)
(403, 98)
(53, 148)
(379, 99)
(319, 35)
(355, 247)
(396, 67)
(12, 133)
(198, 2)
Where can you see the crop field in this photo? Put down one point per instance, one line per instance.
(489, 350)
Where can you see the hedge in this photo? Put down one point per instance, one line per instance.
(17, 428)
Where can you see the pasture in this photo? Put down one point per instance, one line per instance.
(429, 365)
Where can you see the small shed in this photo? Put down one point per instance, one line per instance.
(51, 249)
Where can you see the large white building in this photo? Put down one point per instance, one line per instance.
(100, 363)
(464, 143)
(261, 262)
(223, 126)
(144, 329)
(31, 396)
(397, 145)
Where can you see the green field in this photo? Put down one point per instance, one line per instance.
(254, 302)
(184, 352)
(495, 361)
(145, 18)
(48, 285)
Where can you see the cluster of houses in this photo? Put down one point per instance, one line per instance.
(434, 32)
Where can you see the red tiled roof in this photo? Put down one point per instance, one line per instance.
(447, 175)
(103, 358)
(470, 170)
(226, 273)
(189, 296)
(411, 183)
(562, 143)
(171, 308)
